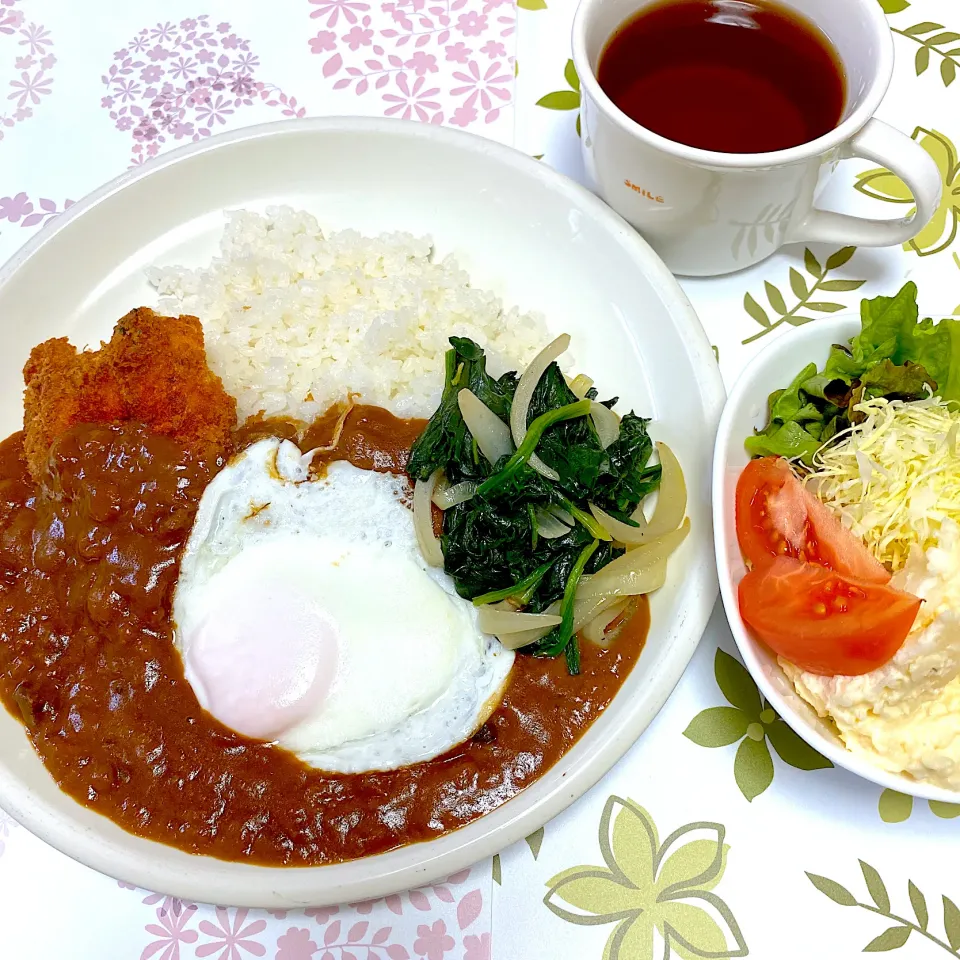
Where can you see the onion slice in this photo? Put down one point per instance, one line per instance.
(627, 583)
(549, 526)
(671, 501)
(584, 611)
(514, 641)
(606, 422)
(423, 520)
(595, 630)
(447, 495)
(621, 532)
(490, 432)
(502, 622)
(579, 385)
(523, 396)
(640, 570)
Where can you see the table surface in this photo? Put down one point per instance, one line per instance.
(816, 863)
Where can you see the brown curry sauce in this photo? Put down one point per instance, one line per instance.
(88, 567)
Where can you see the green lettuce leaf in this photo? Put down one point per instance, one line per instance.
(789, 403)
(892, 331)
(908, 381)
(887, 324)
(895, 355)
(936, 347)
(789, 440)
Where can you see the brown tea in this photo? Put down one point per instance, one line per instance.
(727, 75)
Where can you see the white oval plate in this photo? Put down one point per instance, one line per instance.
(746, 409)
(538, 240)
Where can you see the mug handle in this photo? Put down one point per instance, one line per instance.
(880, 142)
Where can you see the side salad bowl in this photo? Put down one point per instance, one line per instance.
(746, 410)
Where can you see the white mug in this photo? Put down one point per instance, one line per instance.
(708, 213)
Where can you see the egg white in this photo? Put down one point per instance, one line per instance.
(414, 674)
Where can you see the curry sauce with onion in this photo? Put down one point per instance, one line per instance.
(89, 559)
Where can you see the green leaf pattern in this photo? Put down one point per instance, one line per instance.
(568, 99)
(891, 939)
(894, 6)
(534, 842)
(804, 291)
(752, 765)
(875, 887)
(752, 722)
(934, 43)
(894, 937)
(659, 894)
(895, 807)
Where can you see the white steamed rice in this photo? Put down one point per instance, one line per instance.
(294, 320)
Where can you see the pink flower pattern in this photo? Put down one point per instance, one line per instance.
(413, 101)
(232, 939)
(171, 932)
(444, 924)
(169, 906)
(20, 209)
(296, 944)
(183, 81)
(393, 54)
(491, 87)
(321, 915)
(477, 948)
(347, 932)
(32, 62)
(433, 942)
(420, 898)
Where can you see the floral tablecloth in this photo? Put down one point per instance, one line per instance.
(720, 834)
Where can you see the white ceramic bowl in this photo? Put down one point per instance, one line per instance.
(772, 369)
(537, 239)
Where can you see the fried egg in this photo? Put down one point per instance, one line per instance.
(305, 615)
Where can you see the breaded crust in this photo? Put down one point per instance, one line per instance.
(154, 371)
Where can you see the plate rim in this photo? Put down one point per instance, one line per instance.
(822, 333)
(382, 876)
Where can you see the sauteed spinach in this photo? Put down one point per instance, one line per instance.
(491, 543)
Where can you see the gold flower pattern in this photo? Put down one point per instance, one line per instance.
(941, 231)
(659, 895)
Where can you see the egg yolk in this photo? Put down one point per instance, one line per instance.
(264, 656)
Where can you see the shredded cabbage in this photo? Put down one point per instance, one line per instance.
(895, 478)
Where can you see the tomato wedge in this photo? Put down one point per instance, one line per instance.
(778, 517)
(823, 621)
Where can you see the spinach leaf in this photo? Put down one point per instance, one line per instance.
(629, 479)
(572, 448)
(561, 639)
(490, 543)
(446, 443)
